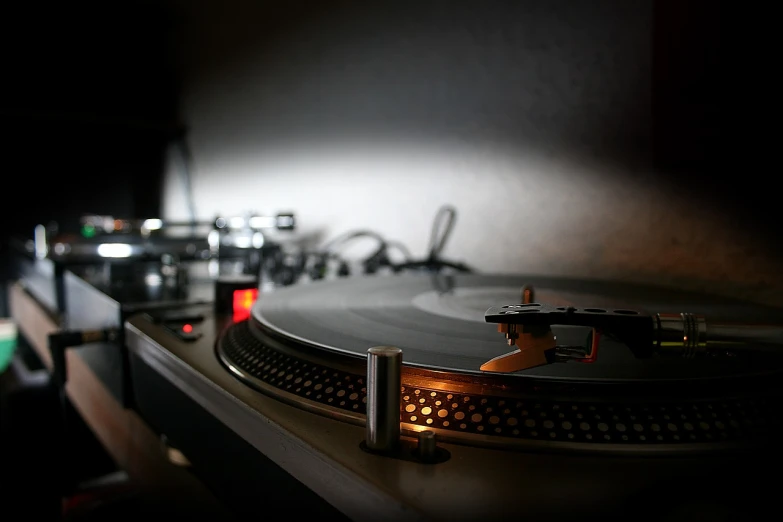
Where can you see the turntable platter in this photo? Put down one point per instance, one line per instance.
(438, 322)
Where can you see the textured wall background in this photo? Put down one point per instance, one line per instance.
(533, 118)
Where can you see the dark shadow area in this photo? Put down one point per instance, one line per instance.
(702, 146)
(48, 450)
(87, 105)
(87, 108)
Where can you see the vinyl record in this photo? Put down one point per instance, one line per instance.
(438, 322)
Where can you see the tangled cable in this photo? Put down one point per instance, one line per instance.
(442, 228)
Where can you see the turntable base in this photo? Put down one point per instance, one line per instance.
(307, 346)
(476, 483)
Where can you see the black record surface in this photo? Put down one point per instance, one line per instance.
(438, 322)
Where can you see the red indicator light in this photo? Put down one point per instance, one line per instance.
(187, 328)
(243, 303)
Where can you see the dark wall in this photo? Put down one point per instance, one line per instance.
(88, 103)
(691, 99)
(688, 85)
(89, 96)
(712, 105)
(560, 76)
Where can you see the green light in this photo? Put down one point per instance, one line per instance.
(88, 231)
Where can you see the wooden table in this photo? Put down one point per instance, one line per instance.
(126, 437)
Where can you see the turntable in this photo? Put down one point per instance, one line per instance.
(392, 397)
(111, 268)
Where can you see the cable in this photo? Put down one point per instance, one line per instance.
(433, 265)
(437, 238)
(402, 248)
(442, 227)
(371, 263)
(332, 246)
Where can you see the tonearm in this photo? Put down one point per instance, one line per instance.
(528, 327)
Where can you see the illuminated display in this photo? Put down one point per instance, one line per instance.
(88, 231)
(117, 250)
(243, 303)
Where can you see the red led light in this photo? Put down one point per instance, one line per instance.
(187, 328)
(243, 303)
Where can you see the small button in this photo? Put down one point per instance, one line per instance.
(189, 337)
(184, 331)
